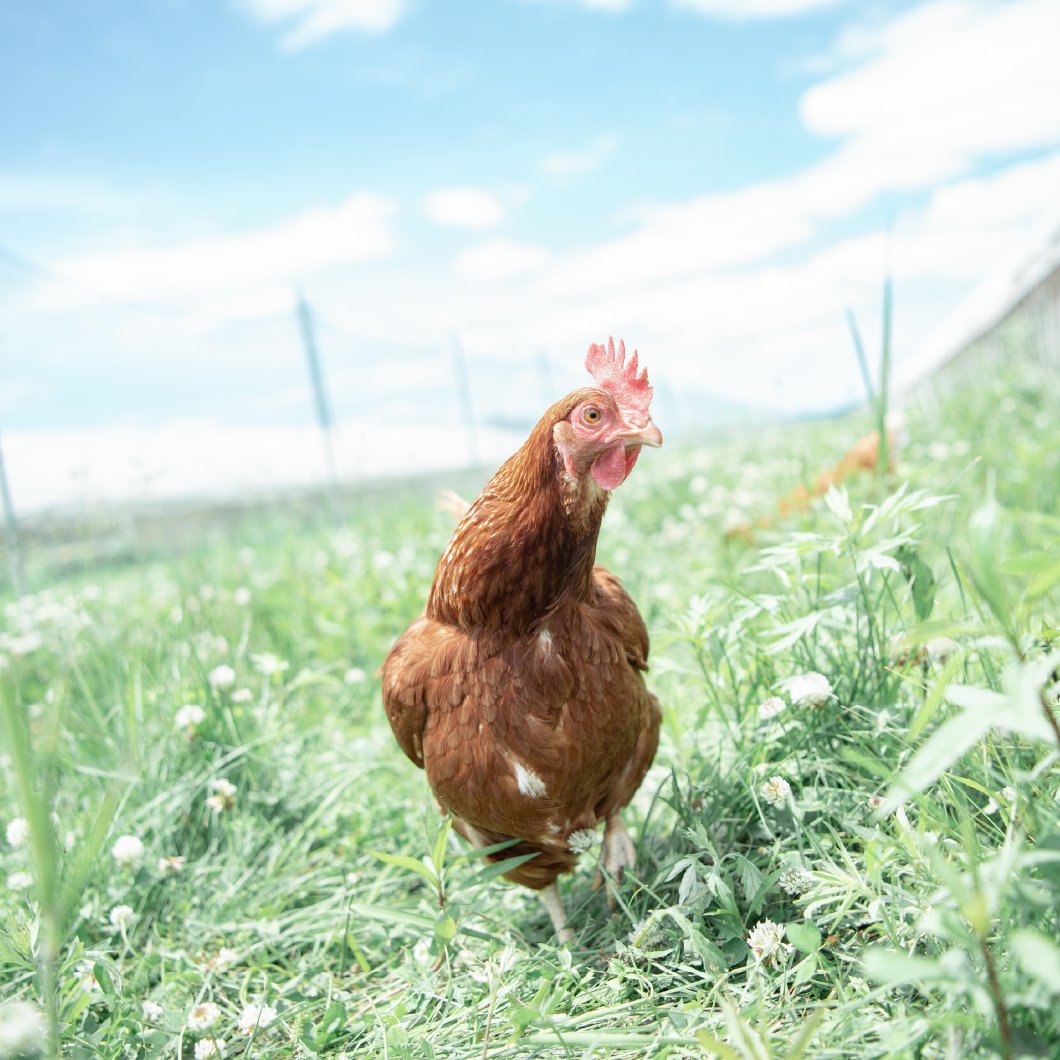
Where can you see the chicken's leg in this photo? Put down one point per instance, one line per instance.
(554, 905)
(617, 852)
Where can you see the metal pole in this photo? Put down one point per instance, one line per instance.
(14, 546)
(316, 377)
(463, 393)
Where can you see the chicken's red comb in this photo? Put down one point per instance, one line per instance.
(620, 379)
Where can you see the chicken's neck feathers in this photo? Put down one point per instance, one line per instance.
(525, 547)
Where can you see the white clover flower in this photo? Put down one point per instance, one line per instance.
(20, 881)
(85, 974)
(242, 695)
(766, 941)
(223, 797)
(22, 1029)
(875, 802)
(171, 864)
(771, 708)
(795, 880)
(269, 665)
(355, 676)
(121, 916)
(18, 831)
(776, 791)
(127, 850)
(203, 1016)
(241, 596)
(809, 690)
(189, 717)
(1008, 793)
(152, 1011)
(209, 1047)
(222, 677)
(582, 841)
(224, 959)
(256, 1017)
(938, 649)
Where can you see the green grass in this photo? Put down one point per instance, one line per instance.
(919, 848)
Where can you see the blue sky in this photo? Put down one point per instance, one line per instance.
(711, 179)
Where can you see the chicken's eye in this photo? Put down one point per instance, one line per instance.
(591, 416)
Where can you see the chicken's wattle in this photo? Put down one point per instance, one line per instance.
(612, 467)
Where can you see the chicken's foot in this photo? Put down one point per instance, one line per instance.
(554, 905)
(617, 853)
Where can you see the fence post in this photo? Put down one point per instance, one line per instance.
(320, 395)
(463, 393)
(14, 546)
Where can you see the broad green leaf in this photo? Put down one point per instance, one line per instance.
(933, 700)
(402, 861)
(804, 936)
(944, 747)
(1039, 956)
(897, 966)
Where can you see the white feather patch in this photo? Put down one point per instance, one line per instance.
(530, 784)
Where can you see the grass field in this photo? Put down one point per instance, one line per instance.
(860, 864)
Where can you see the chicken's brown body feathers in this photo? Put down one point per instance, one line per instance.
(520, 688)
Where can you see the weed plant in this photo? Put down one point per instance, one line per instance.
(849, 844)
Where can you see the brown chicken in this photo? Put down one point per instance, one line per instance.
(520, 689)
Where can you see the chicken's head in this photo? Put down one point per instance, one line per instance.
(606, 426)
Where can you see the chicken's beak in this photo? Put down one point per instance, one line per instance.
(648, 434)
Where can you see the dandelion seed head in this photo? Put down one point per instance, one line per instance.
(127, 850)
(242, 596)
(355, 676)
(18, 831)
(776, 791)
(20, 881)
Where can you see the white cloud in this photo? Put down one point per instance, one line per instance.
(563, 164)
(748, 9)
(610, 6)
(500, 259)
(950, 82)
(357, 230)
(470, 208)
(310, 21)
